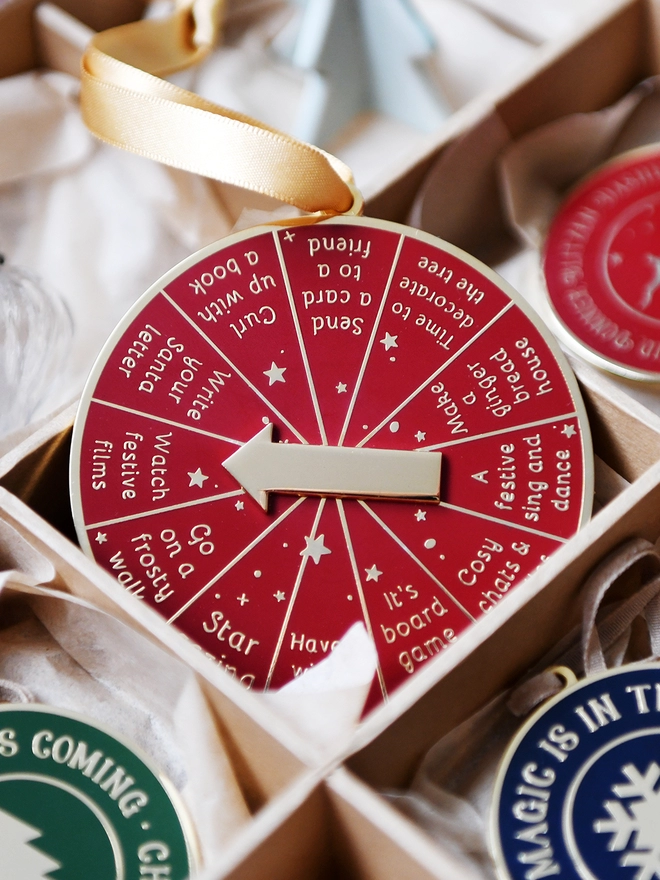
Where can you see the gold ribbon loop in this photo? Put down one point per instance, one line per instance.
(125, 103)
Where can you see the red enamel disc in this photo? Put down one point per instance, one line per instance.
(602, 266)
(352, 336)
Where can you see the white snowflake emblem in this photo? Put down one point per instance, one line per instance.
(635, 826)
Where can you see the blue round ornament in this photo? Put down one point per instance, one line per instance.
(578, 791)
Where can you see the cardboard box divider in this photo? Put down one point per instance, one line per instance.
(625, 435)
(19, 50)
(312, 817)
(586, 70)
(272, 765)
(338, 829)
(388, 750)
(537, 617)
(81, 577)
(583, 73)
(306, 824)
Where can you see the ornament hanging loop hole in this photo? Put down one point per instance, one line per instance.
(568, 677)
(357, 208)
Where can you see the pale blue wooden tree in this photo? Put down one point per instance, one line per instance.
(362, 55)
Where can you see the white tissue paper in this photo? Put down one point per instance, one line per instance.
(325, 703)
(70, 655)
(96, 225)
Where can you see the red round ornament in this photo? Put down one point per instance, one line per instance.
(602, 266)
(258, 449)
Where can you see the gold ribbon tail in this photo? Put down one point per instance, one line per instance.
(125, 102)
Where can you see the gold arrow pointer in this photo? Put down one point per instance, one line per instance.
(261, 466)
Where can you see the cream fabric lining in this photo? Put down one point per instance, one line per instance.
(451, 792)
(64, 652)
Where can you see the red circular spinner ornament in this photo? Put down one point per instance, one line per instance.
(602, 266)
(297, 429)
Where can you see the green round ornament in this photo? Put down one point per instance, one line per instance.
(77, 801)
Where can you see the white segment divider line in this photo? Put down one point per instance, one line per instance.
(407, 549)
(503, 522)
(358, 585)
(370, 344)
(164, 421)
(156, 510)
(236, 559)
(434, 375)
(233, 366)
(294, 596)
(527, 426)
(303, 350)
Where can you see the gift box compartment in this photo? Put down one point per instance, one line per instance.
(458, 179)
(308, 822)
(583, 71)
(331, 822)
(271, 766)
(579, 72)
(390, 194)
(339, 829)
(265, 759)
(389, 749)
(547, 611)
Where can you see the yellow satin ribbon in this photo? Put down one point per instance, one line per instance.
(125, 103)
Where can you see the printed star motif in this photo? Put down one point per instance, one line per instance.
(341, 388)
(372, 573)
(420, 435)
(279, 596)
(616, 259)
(197, 478)
(389, 341)
(569, 430)
(275, 374)
(242, 599)
(420, 515)
(239, 505)
(101, 538)
(315, 548)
